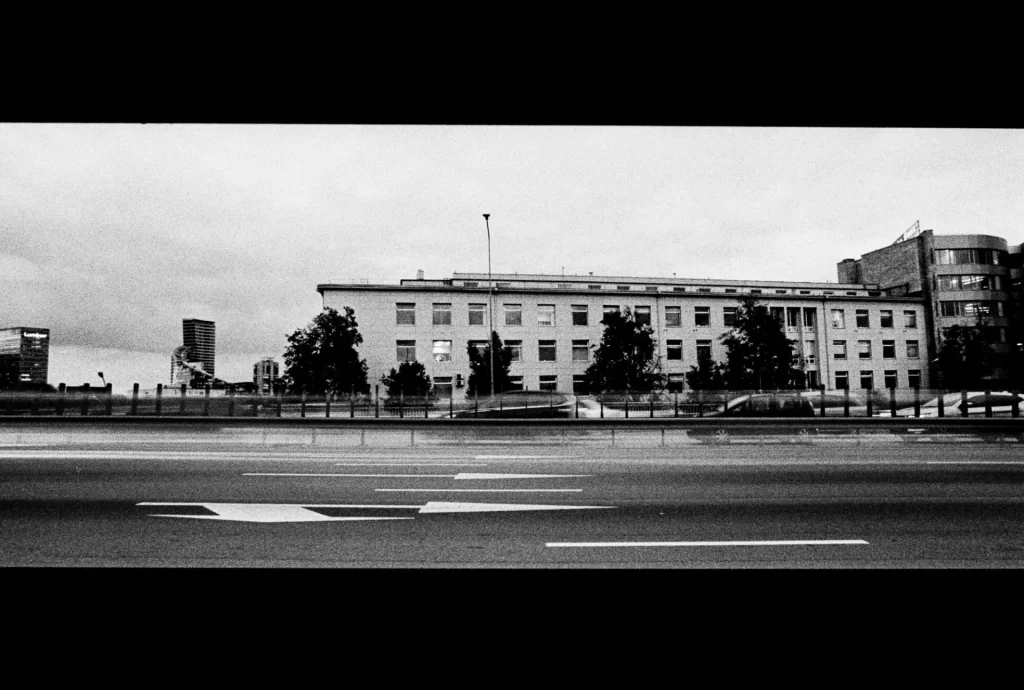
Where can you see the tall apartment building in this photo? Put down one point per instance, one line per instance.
(201, 338)
(847, 335)
(961, 279)
(264, 373)
(24, 355)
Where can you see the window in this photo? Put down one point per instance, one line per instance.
(545, 315)
(580, 350)
(946, 257)
(810, 351)
(549, 382)
(782, 292)
(862, 318)
(642, 316)
(851, 294)
(478, 345)
(442, 314)
(513, 315)
(406, 350)
(673, 317)
(406, 314)
(839, 349)
(913, 350)
(579, 315)
(805, 292)
(651, 288)
(914, 378)
(812, 379)
(515, 383)
(624, 288)
(778, 313)
(476, 314)
(546, 350)
(886, 318)
(842, 380)
(470, 283)
(810, 317)
(729, 316)
(609, 309)
(675, 349)
(593, 287)
(678, 289)
(703, 289)
(565, 286)
(793, 317)
(579, 384)
(516, 348)
(910, 319)
(703, 348)
(755, 292)
(675, 383)
(505, 285)
(730, 289)
(838, 318)
(890, 378)
(889, 349)
(443, 386)
(702, 316)
(442, 351)
(986, 308)
(867, 380)
(864, 349)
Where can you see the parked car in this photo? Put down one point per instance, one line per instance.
(835, 402)
(766, 405)
(518, 404)
(1001, 402)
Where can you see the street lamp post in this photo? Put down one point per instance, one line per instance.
(490, 302)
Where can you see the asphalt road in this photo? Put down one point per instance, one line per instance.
(762, 506)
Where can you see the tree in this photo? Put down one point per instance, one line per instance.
(759, 354)
(480, 367)
(706, 376)
(409, 380)
(322, 359)
(965, 357)
(626, 357)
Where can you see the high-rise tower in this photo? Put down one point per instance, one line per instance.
(201, 338)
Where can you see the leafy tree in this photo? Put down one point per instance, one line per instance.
(322, 359)
(409, 380)
(626, 357)
(480, 367)
(706, 376)
(965, 357)
(759, 354)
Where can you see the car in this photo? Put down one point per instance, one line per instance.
(519, 404)
(766, 405)
(835, 403)
(1001, 402)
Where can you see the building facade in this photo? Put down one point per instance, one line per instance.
(200, 337)
(24, 356)
(264, 374)
(846, 335)
(964, 280)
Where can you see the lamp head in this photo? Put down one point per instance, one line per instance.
(486, 216)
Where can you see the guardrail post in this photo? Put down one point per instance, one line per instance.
(61, 392)
(327, 408)
(33, 402)
(476, 405)
(277, 403)
(9, 402)
(675, 404)
(700, 403)
(206, 402)
(352, 405)
(600, 400)
(627, 402)
(892, 402)
(871, 404)
(110, 399)
(526, 398)
(652, 406)
(159, 398)
(256, 404)
(963, 403)
(1015, 410)
(577, 407)
(231, 401)
(376, 400)
(917, 401)
(426, 407)
(401, 404)
(822, 401)
(451, 407)
(302, 405)
(551, 403)
(988, 404)
(942, 404)
(846, 402)
(135, 399)
(181, 406)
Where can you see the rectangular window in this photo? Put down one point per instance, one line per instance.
(675, 349)
(442, 314)
(782, 292)
(515, 383)
(579, 384)
(593, 287)
(580, 350)
(678, 289)
(673, 317)
(862, 318)
(579, 315)
(642, 316)
(812, 379)
(470, 283)
(838, 318)
(885, 316)
(910, 319)
(864, 349)
(793, 317)
(476, 314)
(867, 380)
(546, 350)
(947, 257)
(810, 351)
(703, 348)
(549, 382)
(839, 349)
(729, 316)
(651, 288)
(755, 292)
(913, 350)
(406, 313)
(890, 378)
(702, 316)
(442, 351)
(624, 288)
(545, 315)
(914, 378)
(565, 286)
(948, 283)
(778, 313)
(406, 350)
(443, 386)
(985, 308)
(675, 383)
(842, 380)
(516, 348)
(609, 309)
(810, 317)
(478, 345)
(703, 289)
(513, 315)
(889, 349)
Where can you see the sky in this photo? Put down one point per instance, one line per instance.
(111, 234)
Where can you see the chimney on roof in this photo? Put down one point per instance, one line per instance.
(419, 274)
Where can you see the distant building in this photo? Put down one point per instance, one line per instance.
(200, 337)
(264, 374)
(24, 356)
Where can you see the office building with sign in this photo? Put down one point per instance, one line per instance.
(24, 355)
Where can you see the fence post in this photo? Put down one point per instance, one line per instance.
(917, 401)
(823, 401)
(159, 397)
(476, 404)
(551, 403)
(302, 405)
(62, 390)
(33, 402)
(352, 405)
(376, 400)
(135, 399)
(110, 399)
(277, 403)
(577, 407)
(892, 402)
(600, 399)
(1015, 410)
(627, 402)
(871, 404)
(327, 408)
(700, 403)
(676, 404)
(206, 402)
(256, 398)
(846, 402)
(451, 407)
(963, 403)
(231, 401)
(988, 403)
(401, 404)
(942, 403)
(181, 406)
(652, 406)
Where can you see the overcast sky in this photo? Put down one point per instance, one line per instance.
(111, 234)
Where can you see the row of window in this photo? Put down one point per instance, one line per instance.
(890, 379)
(946, 257)
(968, 282)
(791, 316)
(979, 308)
(864, 349)
(655, 288)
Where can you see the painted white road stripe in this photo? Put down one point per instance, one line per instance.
(526, 457)
(974, 462)
(411, 464)
(449, 507)
(460, 475)
(802, 542)
(505, 491)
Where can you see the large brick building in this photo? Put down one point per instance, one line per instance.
(850, 334)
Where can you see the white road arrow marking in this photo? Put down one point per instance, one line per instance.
(447, 507)
(460, 475)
